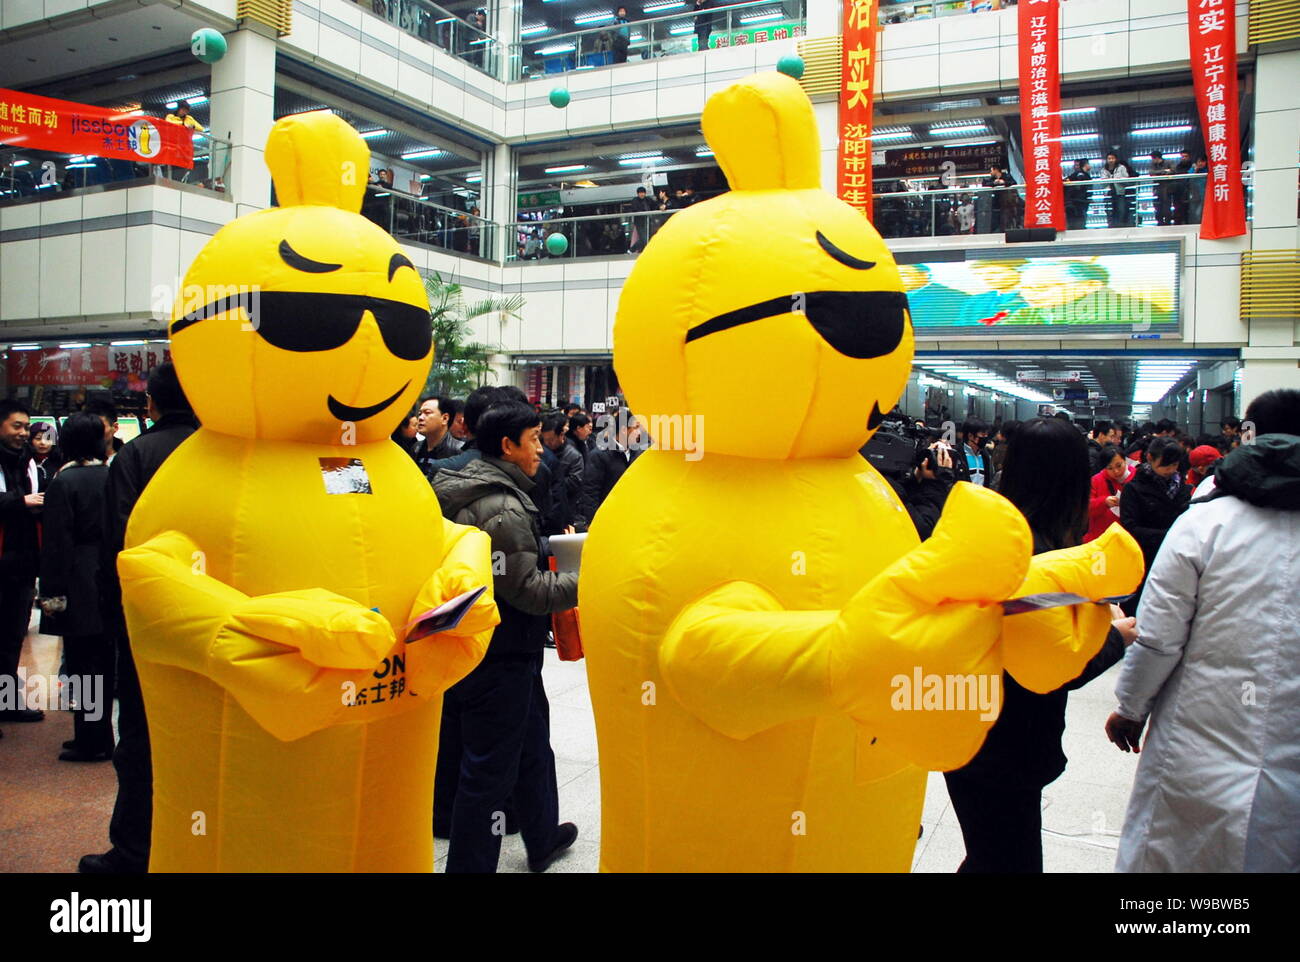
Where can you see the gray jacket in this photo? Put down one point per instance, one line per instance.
(493, 495)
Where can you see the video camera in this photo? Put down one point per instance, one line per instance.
(899, 446)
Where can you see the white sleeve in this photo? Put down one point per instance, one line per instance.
(1163, 619)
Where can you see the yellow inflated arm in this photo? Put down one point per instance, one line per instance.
(741, 663)
(1045, 649)
(284, 657)
(438, 662)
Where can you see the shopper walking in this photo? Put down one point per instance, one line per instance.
(1152, 501)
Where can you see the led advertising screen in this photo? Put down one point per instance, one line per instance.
(1065, 290)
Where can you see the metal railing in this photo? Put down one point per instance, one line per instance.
(683, 31)
(442, 28)
(411, 218)
(26, 174)
(598, 235)
(1093, 204)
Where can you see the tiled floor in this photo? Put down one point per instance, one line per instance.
(51, 813)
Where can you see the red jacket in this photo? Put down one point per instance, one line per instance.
(1100, 516)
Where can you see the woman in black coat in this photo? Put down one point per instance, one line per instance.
(1152, 501)
(998, 794)
(70, 551)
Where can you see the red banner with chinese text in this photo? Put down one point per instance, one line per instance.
(1040, 111)
(123, 368)
(65, 127)
(1212, 31)
(857, 73)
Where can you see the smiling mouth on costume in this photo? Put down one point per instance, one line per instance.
(345, 412)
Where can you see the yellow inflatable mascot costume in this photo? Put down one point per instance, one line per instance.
(274, 558)
(752, 615)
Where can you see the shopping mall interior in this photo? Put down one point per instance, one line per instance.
(496, 125)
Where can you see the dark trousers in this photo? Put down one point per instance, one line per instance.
(16, 596)
(133, 811)
(702, 34)
(91, 656)
(505, 738)
(1001, 824)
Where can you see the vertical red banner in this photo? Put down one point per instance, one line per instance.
(1040, 111)
(1212, 32)
(857, 73)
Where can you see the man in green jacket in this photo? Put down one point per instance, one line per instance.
(498, 715)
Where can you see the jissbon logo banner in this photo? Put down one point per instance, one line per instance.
(1040, 111)
(65, 127)
(1212, 31)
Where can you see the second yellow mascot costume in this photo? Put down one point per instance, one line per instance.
(751, 616)
(271, 561)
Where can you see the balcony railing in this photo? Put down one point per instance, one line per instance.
(411, 218)
(38, 175)
(683, 31)
(904, 12)
(1092, 204)
(434, 25)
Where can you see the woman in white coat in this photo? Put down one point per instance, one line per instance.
(1216, 667)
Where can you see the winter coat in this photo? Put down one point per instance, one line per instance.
(493, 495)
(72, 543)
(129, 472)
(924, 498)
(1147, 510)
(468, 452)
(575, 463)
(19, 539)
(1100, 514)
(444, 450)
(1216, 670)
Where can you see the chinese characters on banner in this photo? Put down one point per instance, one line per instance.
(1213, 34)
(65, 127)
(1040, 112)
(857, 73)
(121, 368)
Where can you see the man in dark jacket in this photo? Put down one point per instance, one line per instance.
(1097, 439)
(479, 400)
(435, 442)
(557, 459)
(137, 462)
(1152, 501)
(617, 446)
(20, 505)
(499, 713)
(970, 462)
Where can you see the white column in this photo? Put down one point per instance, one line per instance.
(499, 195)
(505, 26)
(1270, 360)
(243, 110)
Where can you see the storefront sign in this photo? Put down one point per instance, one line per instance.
(64, 127)
(1040, 126)
(122, 368)
(857, 80)
(1212, 29)
(769, 31)
(929, 161)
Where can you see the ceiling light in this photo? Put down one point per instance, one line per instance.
(1070, 138)
(557, 48)
(678, 31)
(703, 151)
(638, 161)
(473, 178)
(633, 155)
(973, 143)
(944, 131)
(24, 347)
(533, 30)
(566, 169)
(662, 5)
(761, 17)
(587, 18)
(1158, 131)
(74, 345)
(378, 132)
(1077, 110)
(124, 343)
(425, 153)
(890, 137)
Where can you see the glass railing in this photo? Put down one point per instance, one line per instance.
(600, 235)
(903, 12)
(682, 31)
(1093, 204)
(434, 25)
(410, 218)
(26, 174)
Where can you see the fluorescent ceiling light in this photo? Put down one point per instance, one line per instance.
(899, 136)
(473, 178)
(761, 17)
(557, 48)
(973, 143)
(947, 131)
(426, 177)
(1077, 110)
(195, 101)
(24, 347)
(703, 151)
(587, 18)
(85, 165)
(124, 343)
(379, 132)
(678, 31)
(1070, 138)
(74, 345)
(418, 154)
(638, 161)
(662, 5)
(566, 169)
(641, 153)
(533, 30)
(19, 163)
(1157, 131)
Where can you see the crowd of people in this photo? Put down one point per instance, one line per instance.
(1215, 516)
(1215, 789)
